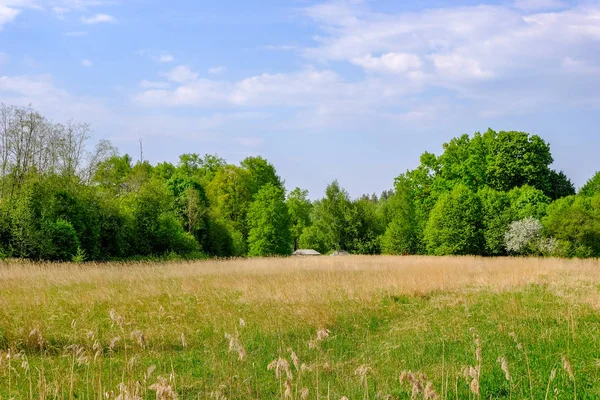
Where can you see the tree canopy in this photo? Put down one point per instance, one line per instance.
(63, 199)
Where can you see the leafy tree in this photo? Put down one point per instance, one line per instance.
(368, 228)
(116, 230)
(155, 227)
(455, 224)
(191, 204)
(164, 170)
(527, 201)
(592, 186)
(497, 216)
(269, 223)
(261, 172)
(575, 222)
(560, 185)
(400, 236)
(111, 173)
(60, 241)
(299, 207)
(230, 196)
(312, 238)
(517, 159)
(336, 223)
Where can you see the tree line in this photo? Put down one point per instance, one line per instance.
(490, 194)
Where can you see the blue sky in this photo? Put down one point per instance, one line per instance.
(348, 89)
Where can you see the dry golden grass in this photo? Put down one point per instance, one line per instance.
(376, 309)
(312, 279)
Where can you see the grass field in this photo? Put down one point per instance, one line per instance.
(302, 328)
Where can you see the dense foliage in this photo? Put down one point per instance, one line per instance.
(480, 196)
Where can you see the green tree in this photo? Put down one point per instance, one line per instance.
(60, 241)
(560, 185)
(528, 201)
(368, 227)
(455, 224)
(592, 186)
(497, 216)
(400, 236)
(111, 173)
(190, 204)
(269, 223)
(230, 196)
(299, 207)
(575, 222)
(261, 172)
(336, 223)
(517, 159)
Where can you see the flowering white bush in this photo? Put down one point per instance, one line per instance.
(522, 236)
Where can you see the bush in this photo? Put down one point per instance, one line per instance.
(311, 238)
(521, 234)
(172, 238)
(575, 221)
(61, 242)
(455, 224)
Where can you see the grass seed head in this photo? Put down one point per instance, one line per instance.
(235, 345)
(139, 337)
(163, 389)
(504, 365)
(568, 368)
(304, 393)
(429, 392)
(362, 373)
(295, 359)
(288, 389)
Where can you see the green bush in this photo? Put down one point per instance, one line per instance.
(455, 224)
(61, 243)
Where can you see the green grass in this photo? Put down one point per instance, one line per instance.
(387, 331)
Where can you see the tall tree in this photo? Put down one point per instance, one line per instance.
(455, 224)
(400, 236)
(261, 172)
(299, 207)
(269, 223)
(592, 186)
(336, 217)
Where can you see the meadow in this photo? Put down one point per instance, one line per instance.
(354, 327)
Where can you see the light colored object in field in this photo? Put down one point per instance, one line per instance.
(306, 252)
(340, 253)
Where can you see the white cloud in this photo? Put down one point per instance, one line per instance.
(98, 19)
(579, 67)
(455, 65)
(534, 5)
(166, 58)
(86, 63)
(4, 58)
(29, 86)
(7, 14)
(181, 74)
(471, 50)
(217, 70)
(61, 11)
(154, 85)
(389, 62)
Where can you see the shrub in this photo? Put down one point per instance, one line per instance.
(522, 236)
(455, 224)
(61, 242)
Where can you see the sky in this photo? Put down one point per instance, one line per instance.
(354, 90)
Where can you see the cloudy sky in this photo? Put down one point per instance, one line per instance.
(348, 89)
